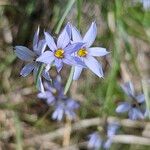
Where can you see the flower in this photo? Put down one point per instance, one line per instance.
(30, 56)
(61, 52)
(95, 141)
(133, 107)
(86, 53)
(111, 131)
(54, 95)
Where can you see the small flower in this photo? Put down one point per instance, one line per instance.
(54, 96)
(95, 141)
(133, 107)
(30, 56)
(86, 53)
(61, 52)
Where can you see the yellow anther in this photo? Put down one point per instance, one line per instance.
(82, 52)
(59, 53)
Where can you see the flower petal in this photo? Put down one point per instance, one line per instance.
(135, 114)
(50, 41)
(97, 51)
(76, 37)
(90, 35)
(63, 39)
(40, 47)
(123, 107)
(128, 88)
(71, 48)
(26, 70)
(77, 72)
(47, 57)
(58, 114)
(140, 98)
(94, 66)
(36, 39)
(46, 75)
(58, 64)
(24, 53)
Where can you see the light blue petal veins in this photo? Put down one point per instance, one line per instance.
(112, 129)
(47, 57)
(50, 41)
(90, 35)
(140, 98)
(76, 36)
(24, 53)
(128, 88)
(27, 69)
(135, 114)
(36, 39)
(68, 29)
(71, 48)
(59, 64)
(94, 65)
(97, 51)
(63, 39)
(77, 72)
(46, 75)
(123, 107)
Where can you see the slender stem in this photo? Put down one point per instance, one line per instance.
(40, 70)
(68, 7)
(69, 81)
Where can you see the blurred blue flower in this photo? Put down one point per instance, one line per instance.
(133, 106)
(61, 52)
(96, 141)
(86, 52)
(54, 96)
(30, 56)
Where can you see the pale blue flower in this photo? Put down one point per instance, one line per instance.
(30, 56)
(54, 96)
(133, 106)
(97, 141)
(60, 52)
(86, 53)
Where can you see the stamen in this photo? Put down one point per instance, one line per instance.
(59, 53)
(82, 52)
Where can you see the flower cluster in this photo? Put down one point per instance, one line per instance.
(135, 105)
(54, 96)
(70, 48)
(97, 140)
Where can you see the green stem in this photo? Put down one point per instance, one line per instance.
(69, 81)
(40, 70)
(68, 7)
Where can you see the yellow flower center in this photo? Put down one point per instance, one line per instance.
(59, 53)
(82, 52)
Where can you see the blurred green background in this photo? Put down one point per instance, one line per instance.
(123, 28)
